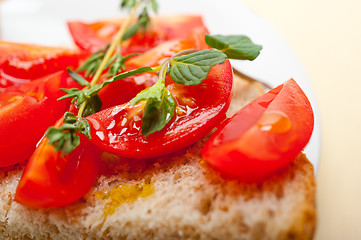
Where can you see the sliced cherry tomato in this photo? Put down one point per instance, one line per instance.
(157, 55)
(93, 36)
(26, 111)
(198, 110)
(124, 90)
(20, 63)
(50, 180)
(264, 136)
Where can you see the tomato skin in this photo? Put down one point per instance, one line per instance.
(21, 63)
(204, 108)
(124, 90)
(157, 55)
(26, 112)
(93, 36)
(264, 136)
(50, 180)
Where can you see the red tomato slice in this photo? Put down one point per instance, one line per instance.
(93, 36)
(124, 90)
(50, 180)
(157, 55)
(199, 109)
(264, 136)
(26, 112)
(23, 62)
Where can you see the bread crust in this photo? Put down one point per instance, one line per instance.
(174, 197)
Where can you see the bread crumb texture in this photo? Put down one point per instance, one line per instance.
(174, 197)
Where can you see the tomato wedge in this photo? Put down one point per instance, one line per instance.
(26, 111)
(93, 36)
(198, 110)
(50, 180)
(20, 63)
(264, 136)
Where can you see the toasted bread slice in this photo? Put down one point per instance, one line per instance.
(173, 197)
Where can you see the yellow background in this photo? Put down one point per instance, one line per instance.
(326, 36)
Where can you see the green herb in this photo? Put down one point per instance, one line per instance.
(128, 4)
(93, 105)
(87, 96)
(89, 93)
(193, 68)
(79, 96)
(141, 24)
(116, 60)
(119, 63)
(160, 106)
(65, 138)
(234, 46)
(92, 64)
(154, 5)
(128, 74)
(158, 111)
(143, 18)
(77, 78)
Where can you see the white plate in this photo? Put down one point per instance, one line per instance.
(43, 22)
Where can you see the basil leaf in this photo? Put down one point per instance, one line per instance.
(69, 117)
(77, 78)
(234, 46)
(193, 68)
(83, 127)
(154, 5)
(153, 92)
(158, 112)
(64, 138)
(159, 109)
(71, 141)
(93, 105)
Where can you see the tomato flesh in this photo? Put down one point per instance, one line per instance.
(264, 136)
(93, 36)
(50, 180)
(26, 111)
(199, 109)
(21, 63)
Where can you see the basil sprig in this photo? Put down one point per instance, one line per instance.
(160, 106)
(193, 68)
